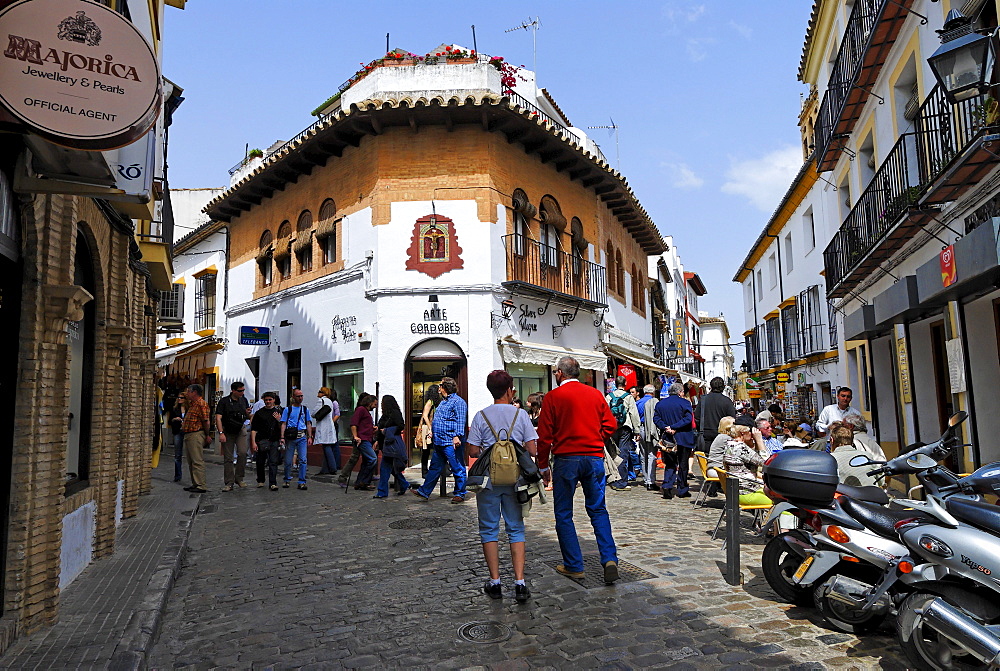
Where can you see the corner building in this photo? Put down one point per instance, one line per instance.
(432, 222)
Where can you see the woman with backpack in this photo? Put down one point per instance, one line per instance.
(491, 425)
(389, 441)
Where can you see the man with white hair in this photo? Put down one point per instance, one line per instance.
(862, 440)
(672, 417)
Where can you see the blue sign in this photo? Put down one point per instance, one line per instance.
(255, 335)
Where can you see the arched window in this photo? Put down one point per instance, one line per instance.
(552, 225)
(523, 212)
(619, 273)
(303, 241)
(283, 250)
(638, 290)
(326, 230)
(264, 253)
(609, 262)
(579, 246)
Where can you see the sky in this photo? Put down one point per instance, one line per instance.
(705, 95)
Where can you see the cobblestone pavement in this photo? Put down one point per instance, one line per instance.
(326, 579)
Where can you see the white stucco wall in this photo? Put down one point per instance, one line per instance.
(77, 547)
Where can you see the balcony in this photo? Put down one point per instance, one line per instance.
(870, 34)
(938, 162)
(552, 273)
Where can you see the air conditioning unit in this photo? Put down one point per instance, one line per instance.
(364, 336)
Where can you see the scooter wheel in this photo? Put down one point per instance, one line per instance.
(926, 648)
(779, 562)
(843, 617)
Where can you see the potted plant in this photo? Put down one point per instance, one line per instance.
(255, 153)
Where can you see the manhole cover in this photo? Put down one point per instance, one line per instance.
(594, 572)
(420, 523)
(484, 632)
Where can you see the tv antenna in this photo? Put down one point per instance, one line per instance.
(532, 24)
(612, 128)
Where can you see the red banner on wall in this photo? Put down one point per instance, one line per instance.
(628, 372)
(949, 273)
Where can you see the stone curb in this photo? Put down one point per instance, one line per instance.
(143, 627)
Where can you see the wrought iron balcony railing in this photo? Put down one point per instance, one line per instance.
(906, 177)
(531, 262)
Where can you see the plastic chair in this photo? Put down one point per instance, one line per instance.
(757, 509)
(707, 481)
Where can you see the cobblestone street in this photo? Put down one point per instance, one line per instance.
(327, 579)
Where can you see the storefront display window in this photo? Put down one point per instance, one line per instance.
(529, 378)
(347, 378)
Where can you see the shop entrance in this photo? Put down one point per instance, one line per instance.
(530, 378)
(426, 364)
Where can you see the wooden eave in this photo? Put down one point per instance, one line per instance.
(331, 135)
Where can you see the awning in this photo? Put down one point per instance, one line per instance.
(167, 355)
(637, 360)
(549, 355)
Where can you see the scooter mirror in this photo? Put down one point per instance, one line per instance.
(920, 461)
(957, 418)
(860, 460)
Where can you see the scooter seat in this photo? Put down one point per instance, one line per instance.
(876, 518)
(870, 494)
(986, 516)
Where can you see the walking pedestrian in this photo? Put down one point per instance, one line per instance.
(673, 416)
(176, 420)
(260, 458)
(197, 436)
(649, 436)
(390, 440)
(423, 439)
(325, 433)
(232, 413)
(265, 437)
(362, 435)
(447, 436)
(296, 428)
(623, 407)
(494, 501)
(573, 426)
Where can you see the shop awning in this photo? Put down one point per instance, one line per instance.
(549, 355)
(632, 358)
(167, 355)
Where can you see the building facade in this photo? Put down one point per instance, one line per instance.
(84, 252)
(438, 219)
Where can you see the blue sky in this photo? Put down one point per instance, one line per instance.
(704, 93)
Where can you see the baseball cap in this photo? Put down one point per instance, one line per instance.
(805, 427)
(744, 420)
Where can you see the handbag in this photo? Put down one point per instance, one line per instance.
(292, 432)
(392, 444)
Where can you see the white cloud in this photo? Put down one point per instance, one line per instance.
(745, 31)
(764, 180)
(697, 47)
(679, 13)
(682, 176)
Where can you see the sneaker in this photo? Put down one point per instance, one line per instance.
(457, 499)
(286, 485)
(342, 485)
(196, 490)
(610, 572)
(576, 575)
(492, 591)
(521, 593)
(621, 488)
(420, 497)
(667, 493)
(241, 484)
(379, 497)
(685, 495)
(302, 486)
(274, 488)
(261, 484)
(227, 488)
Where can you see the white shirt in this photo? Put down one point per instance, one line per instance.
(830, 414)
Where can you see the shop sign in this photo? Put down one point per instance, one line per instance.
(526, 318)
(781, 377)
(781, 394)
(79, 73)
(754, 393)
(679, 332)
(903, 364)
(255, 335)
(949, 272)
(346, 326)
(628, 372)
(802, 379)
(436, 323)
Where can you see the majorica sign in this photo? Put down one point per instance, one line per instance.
(78, 72)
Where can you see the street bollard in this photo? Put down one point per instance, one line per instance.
(732, 530)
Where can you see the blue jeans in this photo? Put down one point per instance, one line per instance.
(630, 460)
(368, 460)
(589, 472)
(393, 467)
(293, 447)
(331, 458)
(178, 455)
(491, 503)
(443, 453)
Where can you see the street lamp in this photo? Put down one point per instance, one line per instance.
(565, 317)
(507, 308)
(963, 65)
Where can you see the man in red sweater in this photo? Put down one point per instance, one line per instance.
(574, 423)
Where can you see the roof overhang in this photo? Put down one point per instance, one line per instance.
(331, 136)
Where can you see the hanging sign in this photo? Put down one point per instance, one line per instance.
(79, 73)
(903, 364)
(949, 272)
(255, 335)
(628, 372)
(781, 377)
(754, 393)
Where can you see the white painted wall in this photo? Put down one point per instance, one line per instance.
(187, 205)
(984, 371)
(77, 546)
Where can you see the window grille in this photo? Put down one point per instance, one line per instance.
(204, 303)
(810, 321)
(172, 304)
(790, 332)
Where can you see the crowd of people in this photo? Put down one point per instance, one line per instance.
(571, 437)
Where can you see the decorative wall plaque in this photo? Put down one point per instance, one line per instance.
(434, 246)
